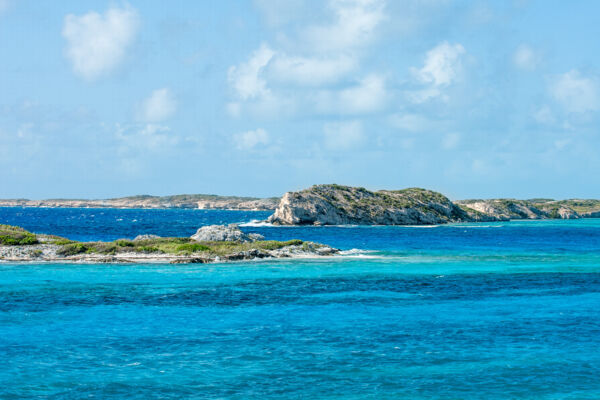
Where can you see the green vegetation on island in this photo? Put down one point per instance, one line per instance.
(18, 244)
(16, 236)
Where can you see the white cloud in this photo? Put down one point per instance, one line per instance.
(250, 139)
(315, 76)
(442, 64)
(343, 135)
(368, 95)
(147, 137)
(354, 25)
(311, 70)
(246, 78)
(160, 105)
(576, 93)
(96, 44)
(442, 67)
(525, 58)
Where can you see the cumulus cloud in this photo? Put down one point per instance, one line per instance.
(249, 140)
(315, 76)
(160, 105)
(575, 92)
(147, 137)
(151, 137)
(311, 70)
(97, 44)
(368, 95)
(343, 135)
(442, 67)
(246, 79)
(525, 58)
(354, 24)
(442, 64)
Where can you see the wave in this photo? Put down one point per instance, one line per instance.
(360, 253)
(476, 226)
(256, 223)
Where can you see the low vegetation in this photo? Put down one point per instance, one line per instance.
(12, 235)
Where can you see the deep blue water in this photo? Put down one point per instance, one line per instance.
(467, 311)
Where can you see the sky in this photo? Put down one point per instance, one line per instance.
(476, 99)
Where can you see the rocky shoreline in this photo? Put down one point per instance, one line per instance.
(211, 244)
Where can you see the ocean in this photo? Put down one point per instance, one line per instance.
(507, 310)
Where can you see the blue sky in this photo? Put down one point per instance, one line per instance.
(474, 99)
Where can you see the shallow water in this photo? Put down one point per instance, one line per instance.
(494, 311)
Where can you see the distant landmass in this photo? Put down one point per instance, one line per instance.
(201, 201)
(342, 205)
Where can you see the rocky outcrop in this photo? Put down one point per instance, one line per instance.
(139, 238)
(224, 233)
(343, 205)
(500, 210)
(507, 209)
(251, 205)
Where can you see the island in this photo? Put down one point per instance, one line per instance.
(214, 243)
(345, 205)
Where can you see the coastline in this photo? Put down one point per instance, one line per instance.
(21, 254)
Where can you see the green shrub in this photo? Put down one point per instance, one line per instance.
(62, 242)
(15, 236)
(274, 244)
(73, 249)
(148, 249)
(192, 247)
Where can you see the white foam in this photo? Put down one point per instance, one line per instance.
(256, 223)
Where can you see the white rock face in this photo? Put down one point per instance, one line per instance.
(344, 205)
(224, 233)
(567, 213)
(145, 237)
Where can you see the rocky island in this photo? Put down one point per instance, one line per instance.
(215, 243)
(342, 205)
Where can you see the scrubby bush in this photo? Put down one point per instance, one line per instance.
(15, 236)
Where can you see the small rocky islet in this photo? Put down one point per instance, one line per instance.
(214, 243)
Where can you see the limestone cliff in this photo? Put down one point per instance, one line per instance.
(343, 205)
(506, 209)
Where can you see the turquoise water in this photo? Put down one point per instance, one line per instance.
(490, 311)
